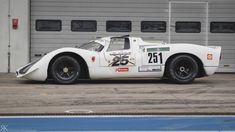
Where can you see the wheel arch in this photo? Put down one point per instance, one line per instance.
(84, 67)
(201, 69)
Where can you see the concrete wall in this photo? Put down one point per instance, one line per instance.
(19, 38)
(4, 37)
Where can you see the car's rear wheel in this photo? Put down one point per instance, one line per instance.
(65, 70)
(182, 69)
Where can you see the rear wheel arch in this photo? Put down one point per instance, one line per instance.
(201, 70)
(84, 67)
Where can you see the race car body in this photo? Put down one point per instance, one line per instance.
(125, 57)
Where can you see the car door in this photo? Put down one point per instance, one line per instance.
(118, 59)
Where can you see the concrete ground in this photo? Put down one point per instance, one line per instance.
(215, 94)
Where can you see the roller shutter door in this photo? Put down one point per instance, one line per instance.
(98, 10)
(223, 11)
(188, 22)
(136, 11)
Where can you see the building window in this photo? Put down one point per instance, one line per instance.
(188, 27)
(83, 26)
(222, 27)
(118, 26)
(48, 25)
(153, 26)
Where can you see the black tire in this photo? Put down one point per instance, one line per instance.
(182, 69)
(65, 70)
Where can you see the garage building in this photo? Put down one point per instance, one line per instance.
(45, 25)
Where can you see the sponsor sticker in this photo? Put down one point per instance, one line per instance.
(209, 56)
(123, 69)
(149, 68)
(93, 58)
(158, 49)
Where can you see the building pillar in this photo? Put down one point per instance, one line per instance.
(4, 35)
(14, 41)
(20, 36)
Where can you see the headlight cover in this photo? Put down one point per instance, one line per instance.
(27, 67)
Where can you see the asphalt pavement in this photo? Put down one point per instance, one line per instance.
(214, 94)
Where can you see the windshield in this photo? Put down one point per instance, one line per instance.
(92, 46)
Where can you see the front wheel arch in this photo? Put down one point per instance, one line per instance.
(84, 68)
(201, 70)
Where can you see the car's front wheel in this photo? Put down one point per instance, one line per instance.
(182, 69)
(65, 70)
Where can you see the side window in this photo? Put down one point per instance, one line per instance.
(222, 27)
(153, 26)
(119, 44)
(118, 26)
(188, 27)
(48, 25)
(83, 26)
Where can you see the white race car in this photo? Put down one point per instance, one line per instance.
(125, 57)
